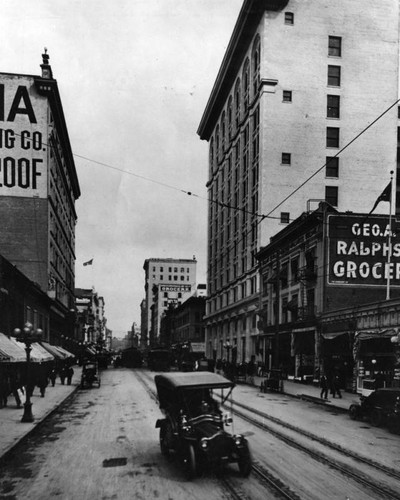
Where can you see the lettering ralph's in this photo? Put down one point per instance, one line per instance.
(365, 253)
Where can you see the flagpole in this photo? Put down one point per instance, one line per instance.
(389, 239)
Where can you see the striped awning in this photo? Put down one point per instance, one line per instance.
(54, 350)
(11, 350)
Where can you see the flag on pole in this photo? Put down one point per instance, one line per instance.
(384, 196)
(88, 263)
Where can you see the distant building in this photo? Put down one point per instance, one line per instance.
(298, 82)
(167, 281)
(38, 189)
(91, 319)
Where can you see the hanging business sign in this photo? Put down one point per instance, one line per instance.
(175, 288)
(23, 140)
(362, 251)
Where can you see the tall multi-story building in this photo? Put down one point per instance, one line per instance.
(38, 189)
(167, 281)
(299, 84)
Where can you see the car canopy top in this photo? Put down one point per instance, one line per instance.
(172, 387)
(192, 380)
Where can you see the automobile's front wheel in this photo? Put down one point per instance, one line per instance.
(190, 462)
(354, 412)
(376, 418)
(244, 463)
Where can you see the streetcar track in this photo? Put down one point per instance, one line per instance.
(322, 458)
(260, 473)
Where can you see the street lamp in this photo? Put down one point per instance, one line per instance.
(28, 336)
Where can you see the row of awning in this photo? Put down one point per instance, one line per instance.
(12, 351)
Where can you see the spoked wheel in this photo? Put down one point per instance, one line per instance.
(376, 418)
(244, 463)
(190, 462)
(354, 412)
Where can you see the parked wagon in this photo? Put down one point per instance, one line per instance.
(90, 375)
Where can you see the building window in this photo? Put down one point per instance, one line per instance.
(175, 278)
(289, 18)
(331, 195)
(335, 46)
(287, 96)
(333, 106)
(165, 295)
(334, 76)
(182, 278)
(169, 278)
(286, 158)
(285, 217)
(175, 269)
(332, 137)
(161, 277)
(161, 269)
(332, 166)
(165, 303)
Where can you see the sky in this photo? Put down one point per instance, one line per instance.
(134, 78)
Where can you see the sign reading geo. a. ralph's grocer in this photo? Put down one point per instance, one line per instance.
(23, 138)
(360, 251)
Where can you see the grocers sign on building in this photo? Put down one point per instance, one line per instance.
(362, 251)
(23, 141)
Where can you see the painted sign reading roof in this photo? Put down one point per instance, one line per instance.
(359, 250)
(23, 138)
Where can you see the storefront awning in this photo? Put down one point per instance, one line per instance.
(65, 352)
(52, 349)
(14, 351)
(11, 350)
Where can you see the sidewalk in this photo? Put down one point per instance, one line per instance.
(12, 430)
(312, 393)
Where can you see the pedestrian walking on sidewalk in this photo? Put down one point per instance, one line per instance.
(63, 374)
(70, 372)
(323, 383)
(53, 376)
(335, 386)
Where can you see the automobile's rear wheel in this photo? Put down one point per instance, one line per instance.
(190, 462)
(394, 425)
(244, 463)
(354, 412)
(163, 440)
(376, 418)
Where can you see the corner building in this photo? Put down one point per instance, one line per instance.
(298, 82)
(38, 190)
(167, 281)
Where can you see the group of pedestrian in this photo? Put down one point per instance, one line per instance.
(331, 384)
(13, 383)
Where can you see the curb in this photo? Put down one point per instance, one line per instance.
(37, 422)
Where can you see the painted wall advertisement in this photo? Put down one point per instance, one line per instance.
(23, 141)
(363, 251)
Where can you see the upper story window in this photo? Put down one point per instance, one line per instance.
(334, 76)
(229, 113)
(332, 166)
(289, 18)
(286, 158)
(237, 104)
(335, 46)
(223, 132)
(332, 137)
(287, 96)
(332, 195)
(333, 106)
(256, 65)
(285, 217)
(246, 85)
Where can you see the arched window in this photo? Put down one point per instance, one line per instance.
(211, 154)
(256, 65)
(217, 143)
(246, 85)
(229, 112)
(223, 132)
(237, 103)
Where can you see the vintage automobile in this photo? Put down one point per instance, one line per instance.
(381, 407)
(90, 375)
(159, 360)
(194, 426)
